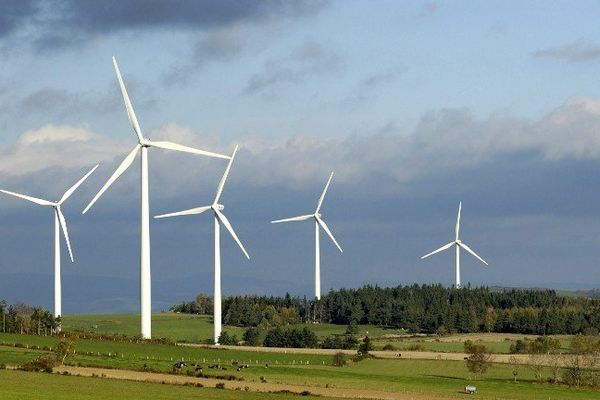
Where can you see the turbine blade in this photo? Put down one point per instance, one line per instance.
(128, 106)
(120, 169)
(444, 247)
(323, 225)
(185, 149)
(191, 211)
(227, 225)
(457, 228)
(29, 198)
(467, 248)
(299, 218)
(224, 178)
(63, 225)
(323, 194)
(69, 192)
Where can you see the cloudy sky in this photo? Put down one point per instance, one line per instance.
(416, 105)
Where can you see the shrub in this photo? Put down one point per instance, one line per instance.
(389, 346)
(252, 336)
(220, 385)
(41, 364)
(227, 339)
(339, 359)
(365, 346)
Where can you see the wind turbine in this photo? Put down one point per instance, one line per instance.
(59, 223)
(458, 243)
(318, 223)
(142, 147)
(220, 218)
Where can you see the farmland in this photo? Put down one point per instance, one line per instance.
(311, 370)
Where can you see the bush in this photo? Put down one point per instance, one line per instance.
(220, 385)
(345, 342)
(2, 366)
(252, 336)
(389, 346)
(294, 337)
(339, 359)
(365, 347)
(41, 364)
(226, 339)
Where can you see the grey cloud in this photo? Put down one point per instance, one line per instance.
(529, 192)
(15, 14)
(579, 51)
(310, 59)
(64, 23)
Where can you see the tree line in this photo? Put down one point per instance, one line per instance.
(418, 309)
(21, 318)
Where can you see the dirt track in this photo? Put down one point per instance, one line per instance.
(343, 393)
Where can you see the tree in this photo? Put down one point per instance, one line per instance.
(64, 348)
(365, 346)
(478, 361)
(515, 366)
(339, 359)
(252, 336)
(226, 339)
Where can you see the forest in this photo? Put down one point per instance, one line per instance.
(418, 309)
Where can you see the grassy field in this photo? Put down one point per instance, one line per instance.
(179, 327)
(16, 385)
(186, 327)
(199, 329)
(430, 377)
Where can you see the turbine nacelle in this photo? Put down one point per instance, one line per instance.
(217, 207)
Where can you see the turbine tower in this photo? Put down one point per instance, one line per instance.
(142, 147)
(318, 223)
(59, 223)
(220, 218)
(458, 243)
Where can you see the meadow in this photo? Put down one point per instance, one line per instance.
(187, 328)
(444, 379)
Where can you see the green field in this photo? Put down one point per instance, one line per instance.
(16, 385)
(186, 327)
(433, 377)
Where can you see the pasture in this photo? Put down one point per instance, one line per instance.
(440, 378)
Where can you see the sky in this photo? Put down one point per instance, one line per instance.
(415, 105)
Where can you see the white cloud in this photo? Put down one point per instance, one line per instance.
(444, 140)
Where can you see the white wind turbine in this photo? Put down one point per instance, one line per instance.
(59, 223)
(220, 218)
(458, 243)
(318, 223)
(142, 147)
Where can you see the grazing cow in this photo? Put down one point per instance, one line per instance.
(178, 365)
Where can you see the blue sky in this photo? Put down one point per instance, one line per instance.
(415, 105)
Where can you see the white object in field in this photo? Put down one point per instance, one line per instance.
(142, 146)
(470, 389)
(219, 219)
(319, 223)
(59, 223)
(459, 244)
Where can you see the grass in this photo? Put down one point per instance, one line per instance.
(179, 327)
(433, 377)
(17, 385)
(186, 327)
